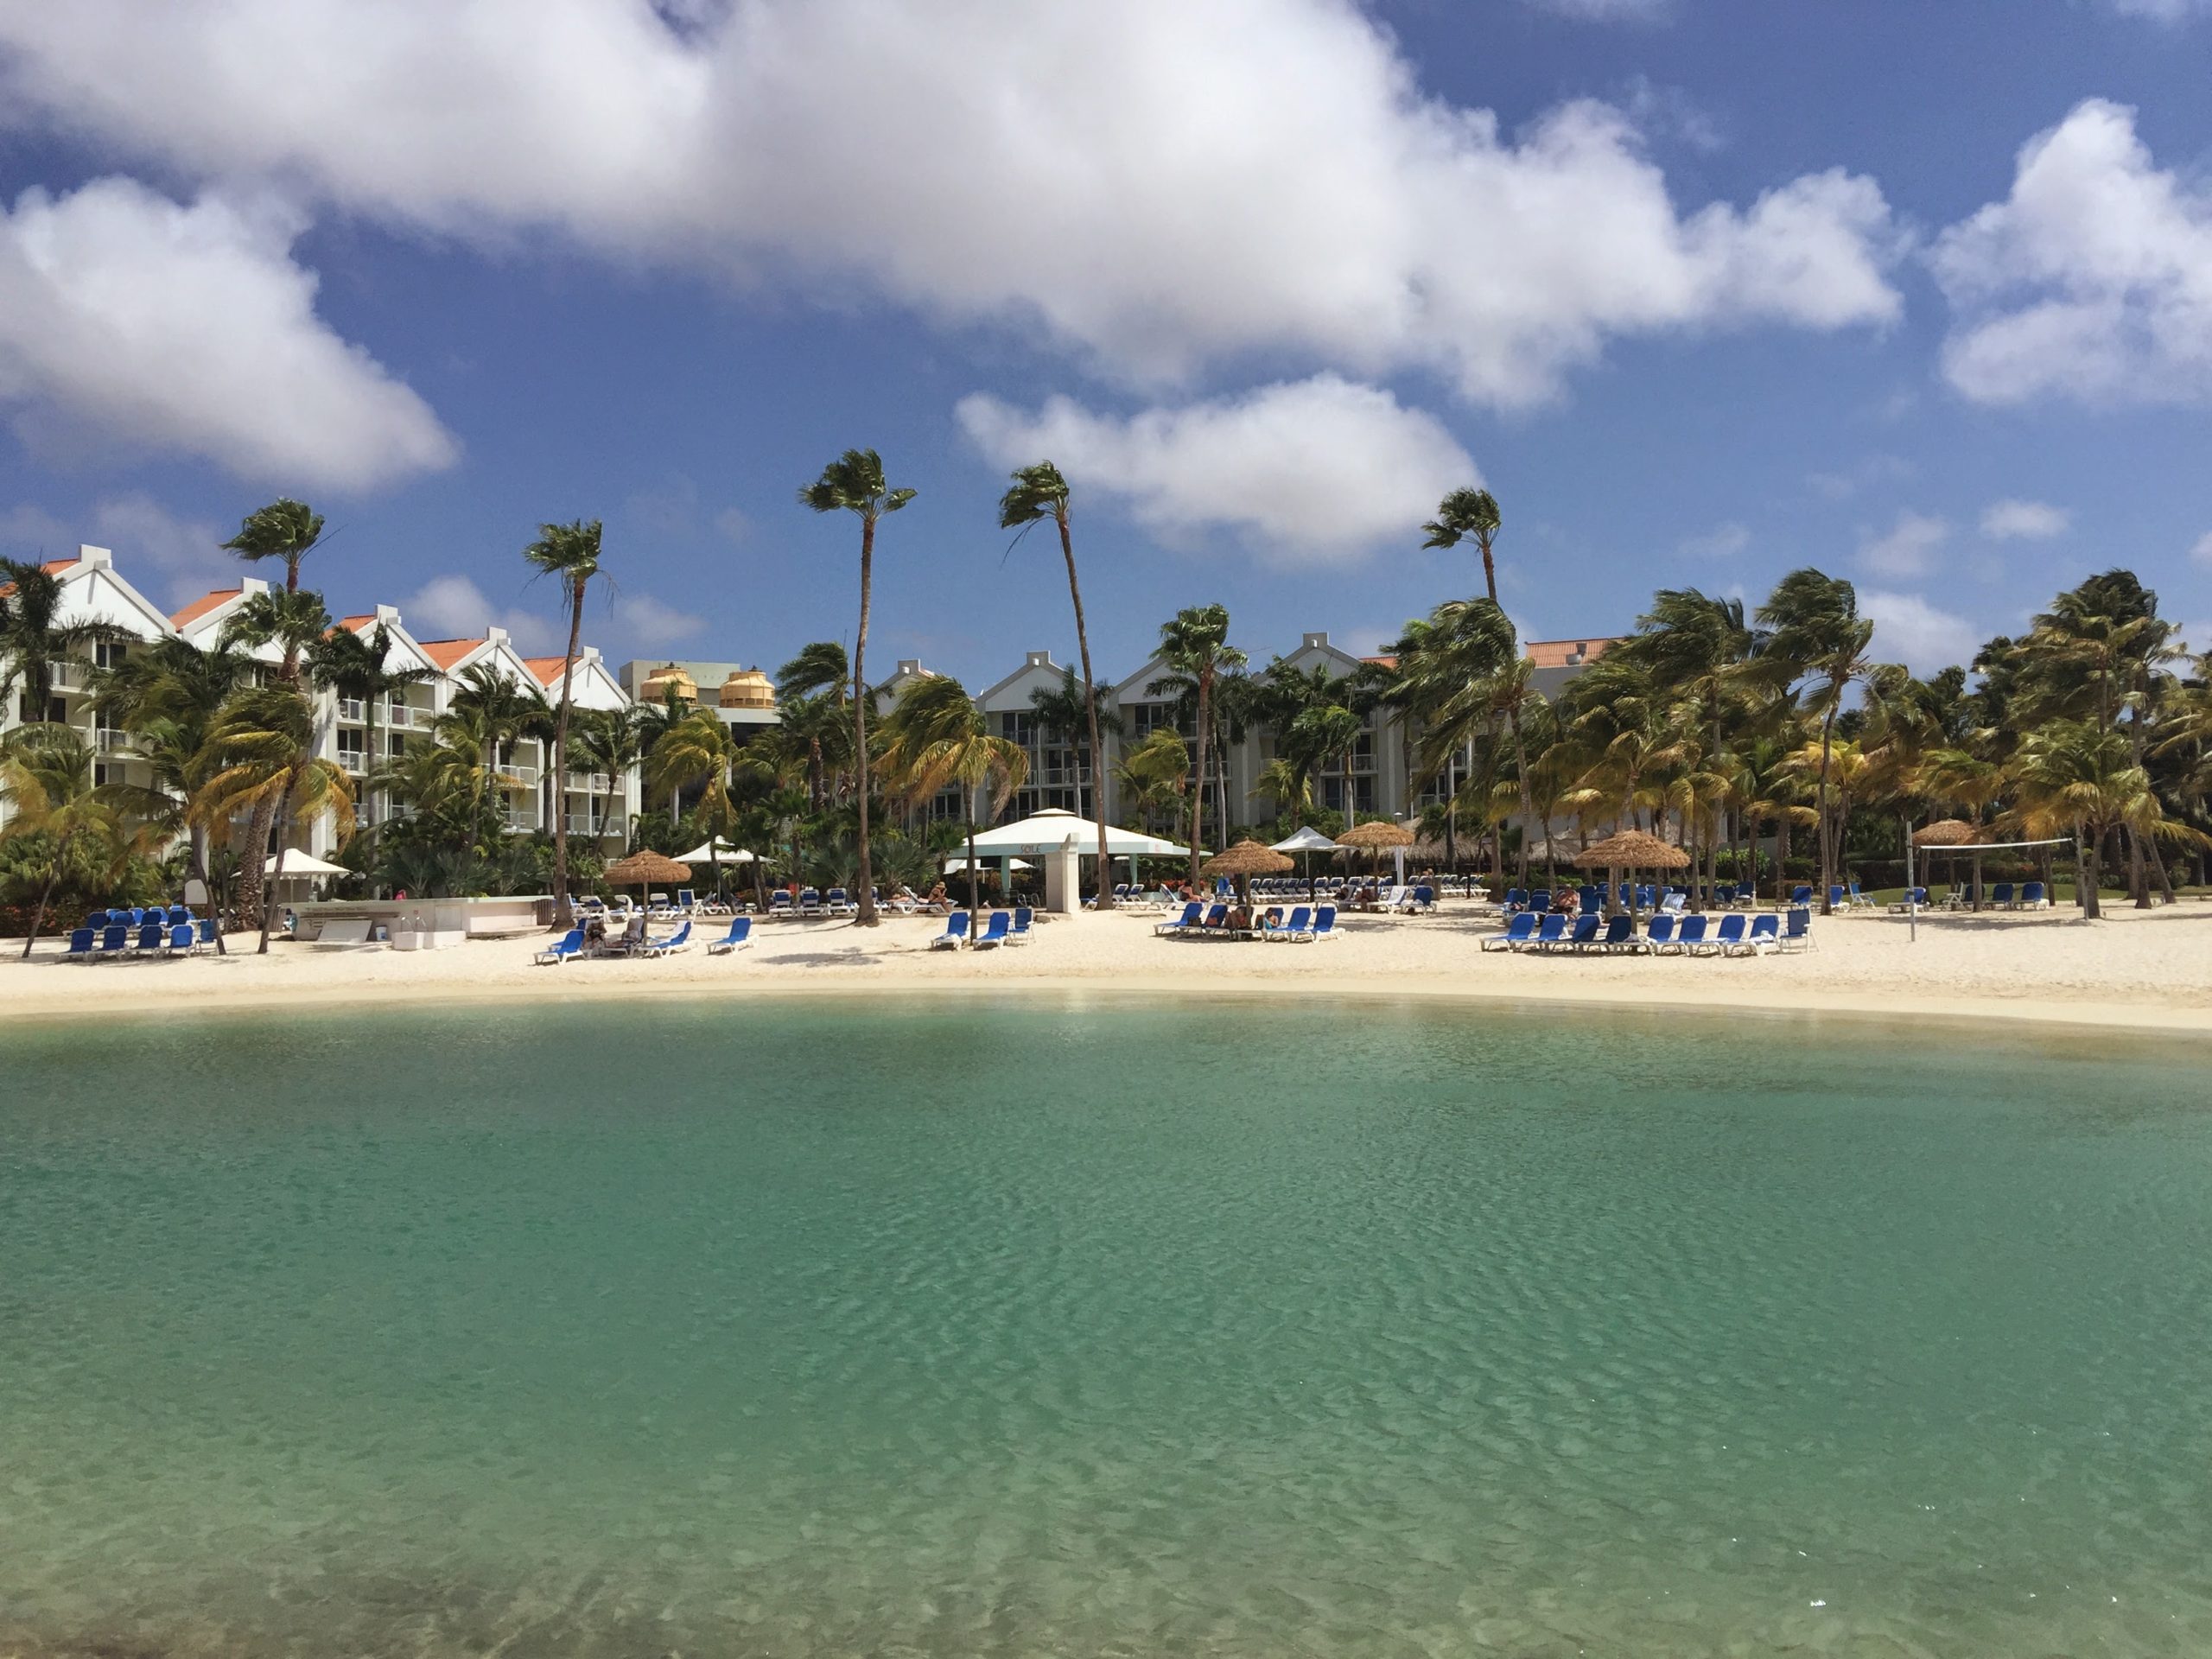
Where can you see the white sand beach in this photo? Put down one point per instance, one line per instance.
(2147, 969)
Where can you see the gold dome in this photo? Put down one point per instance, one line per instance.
(748, 688)
(669, 678)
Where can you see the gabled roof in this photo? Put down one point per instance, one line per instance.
(204, 603)
(51, 567)
(356, 624)
(548, 669)
(447, 652)
(1565, 653)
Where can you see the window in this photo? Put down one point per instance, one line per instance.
(104, 774)
(109, 653)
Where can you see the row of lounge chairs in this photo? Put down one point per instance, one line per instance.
(1001, 927)
(154, 935)
(574, 944)
(1733, 935)
(1304, 925)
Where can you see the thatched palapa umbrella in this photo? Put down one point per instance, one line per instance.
(645, 868)
(1247, 859)
(1631, 850)
(1948, 834)
(1374, 837)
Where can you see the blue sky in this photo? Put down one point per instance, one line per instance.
(1703, 290)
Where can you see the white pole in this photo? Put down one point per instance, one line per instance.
(1912, 910)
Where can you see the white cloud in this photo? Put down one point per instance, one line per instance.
(1874, 470)
(1240, 176)
(2203, 551)
(190, 329)
(2163, 12)
(2025, 521)
(2093, 280)
(1724, 542)
(454, 607)
(185, 555)
(1909, 630)
(732, 524)
(649, 622)
(1608, 11)
(29, 531)
(2197, 637)
(1905, 547)
(1315, 472)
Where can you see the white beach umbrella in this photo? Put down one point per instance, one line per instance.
(1049, 831)
(1307, 842)
(303, 865)
(1011, 864)
(716, 849)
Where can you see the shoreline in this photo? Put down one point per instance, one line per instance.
(1870, 974)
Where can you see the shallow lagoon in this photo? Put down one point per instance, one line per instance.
(1018, 1326)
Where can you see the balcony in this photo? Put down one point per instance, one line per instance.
(518, 776)
(68, 675)
(591, 783)
(111, 740)
(353, 762)
(520, 820)
(352, 710)
(406, 717)
(581, 823)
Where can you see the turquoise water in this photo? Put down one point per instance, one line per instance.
(1092, 1329)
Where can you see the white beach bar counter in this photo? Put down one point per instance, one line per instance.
(432, 923)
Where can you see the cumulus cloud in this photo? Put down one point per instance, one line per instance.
(1315, 472)
(2203, 551)
(1238, 177)
(2163, 11)
(1724, 542)
(646, 620)
(1906, 547)
(454, 607)
(1909, 630)
(190, 329)
(1608, 11)
(2025, 521)
(2093, 280)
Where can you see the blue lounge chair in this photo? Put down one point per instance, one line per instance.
(1298, 929)
(1798, 934)
(685, 901)
(1191, 913)
(115, 938)
(674, 942)
(1726, 940)
(1765, 934)
(1838, 896)
(81, 946)
(2032, 897)
(1914, 899)
(955, 934)
(1659, 937)
(150, 937)
(1800, 897)
(1857, 900)
(205, 927)
(1550, 931)
(1584, 936)
(568, 947)
(183, 940)
(1592, 899)
(810, 901)
(995, 931)
(1325, 922)
(740, 935)
(1516, 898)
(1518, 932)
(1541, 900)
(1689, 936)
(1215, 923)
(779, 903)
(1020, 932)
(1620, 934)
(2000, 896)
(840, 903)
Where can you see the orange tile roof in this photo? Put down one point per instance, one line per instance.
(355, 624)
(548, 669)
(51, 567)
(1562, 654)
(204, 603)
(446, 652)
(1381, 662)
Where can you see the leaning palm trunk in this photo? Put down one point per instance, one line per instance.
(283, 834)
(2087, 850)
(561, 914)
(866, 916)
(1198, 771)
(249, 900)
(1090, 709)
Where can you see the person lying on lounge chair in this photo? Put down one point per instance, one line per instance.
(595, 935)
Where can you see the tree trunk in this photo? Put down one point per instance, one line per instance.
(1198, 771)
(2087, 851)
(249, 898)
(1782, 858)
(866, 898)
(1091, 708)
(973, 906)
(561, 914)
(283, 830)
(1827, 828)
(38, 915)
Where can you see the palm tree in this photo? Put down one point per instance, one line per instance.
(261, 749)
(33, 638)
(934, 735)
(1818, 636)
(358, 667)
(1039, 492)
(568, 553)
(288, 530)
(1468, 514)
(1194, 645)
(1288, 782)
(1328, 732)
(501, 712)
(45, 781)
(608, 738)
(811, 693)
(2080, 776)
(698, 753)
(854, 483)
(1151, 777)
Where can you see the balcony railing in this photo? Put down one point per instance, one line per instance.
(525, 776)
(591, 783)
(405, 716)
(582, 823)
(68, 675)
(351, 759)
(111, 740)
(352, 709)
